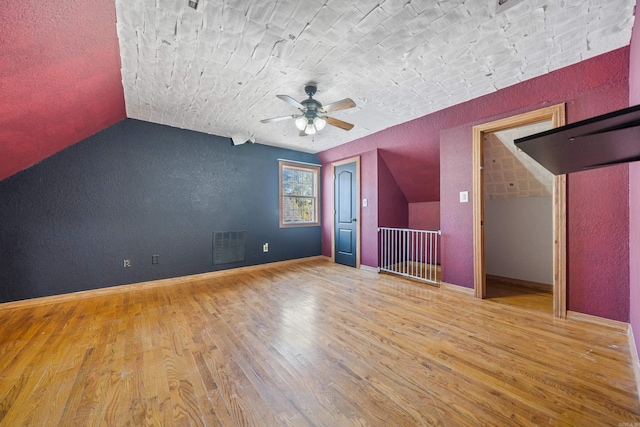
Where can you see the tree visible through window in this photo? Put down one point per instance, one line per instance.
(298, 194)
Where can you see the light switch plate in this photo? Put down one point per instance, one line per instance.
(364, 203)
(464, 196)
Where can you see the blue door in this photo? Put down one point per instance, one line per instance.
(345, 214)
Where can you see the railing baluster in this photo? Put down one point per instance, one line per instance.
(404, 251)
(421, 256)
(384, 244)
(393, 250)
(412, 253)
(412, 250)
(430, 255)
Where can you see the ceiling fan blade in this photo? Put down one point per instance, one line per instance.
(338, 105)
(303, 133)
(339, 123)
(278, 119)
(290, 100)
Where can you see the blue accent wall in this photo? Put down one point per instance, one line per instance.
(135, 190)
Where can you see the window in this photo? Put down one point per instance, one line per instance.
(299, 194)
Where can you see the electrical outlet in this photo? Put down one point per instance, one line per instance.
(155, 259)
(265, 247)
(127, 263)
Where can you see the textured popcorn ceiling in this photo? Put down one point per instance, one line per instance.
(511, 173)
(219, 68)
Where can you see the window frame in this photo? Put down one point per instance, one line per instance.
(284, 164)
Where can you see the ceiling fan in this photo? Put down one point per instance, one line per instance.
(312, 116)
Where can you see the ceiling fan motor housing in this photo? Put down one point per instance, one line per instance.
(312, 106)
(310, 90)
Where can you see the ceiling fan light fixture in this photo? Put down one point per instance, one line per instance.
(319, 123)
(308, 120)
(310, 129)
(301, 123)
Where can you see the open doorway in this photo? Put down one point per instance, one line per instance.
(518, 221)
(510, 128)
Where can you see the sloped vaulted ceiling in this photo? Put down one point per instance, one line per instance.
(60, 77)
(68, 68)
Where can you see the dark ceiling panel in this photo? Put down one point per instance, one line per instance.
(601, 141)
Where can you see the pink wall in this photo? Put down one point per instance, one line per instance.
(456, 219)
(414, 162)
(411, 151)
(598, 244)
(589, 88)
(598, 217)
(634, 193)
(61, 78)
(393, 210)
(424, 216)
(634, 249)
(634, 63)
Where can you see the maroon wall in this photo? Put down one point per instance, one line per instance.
(60, 77)
(411, 151)
(456, 219)
(634, 193)
(589, 88)
(598, 244)
(634, 250)
(393, 209)
(424, 216)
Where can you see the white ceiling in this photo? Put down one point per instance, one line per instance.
(218, 69)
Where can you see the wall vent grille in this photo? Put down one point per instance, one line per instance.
(228, 247)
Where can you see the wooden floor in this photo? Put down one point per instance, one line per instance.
(310, 343)
(521, 296)
(430, 273)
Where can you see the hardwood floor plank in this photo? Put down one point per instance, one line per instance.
(299, 391)
(377, 345)
(342, 352)
(38, 365)
(308, 344)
